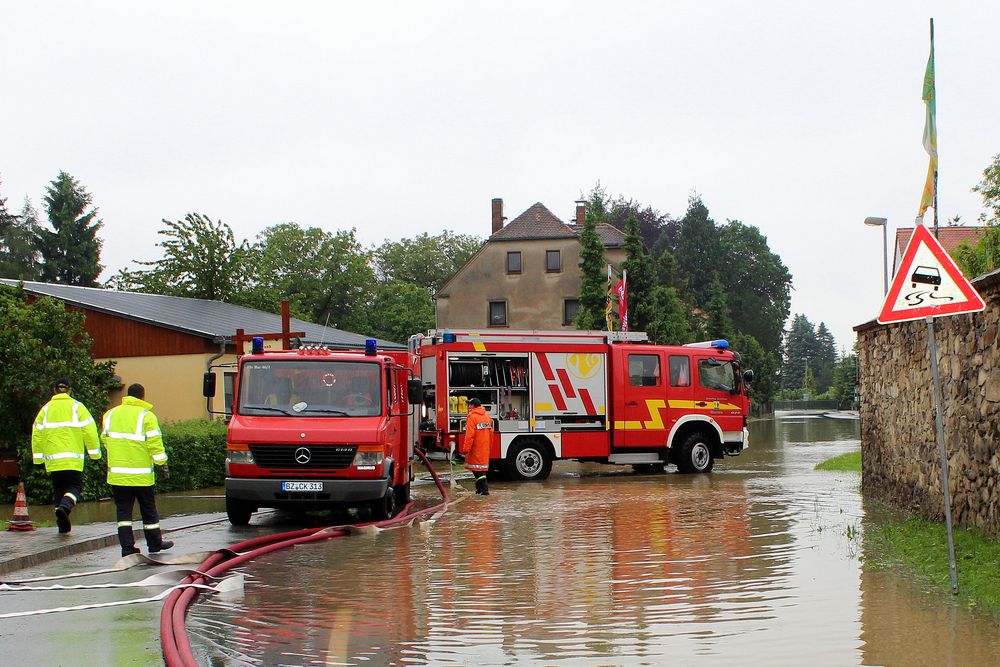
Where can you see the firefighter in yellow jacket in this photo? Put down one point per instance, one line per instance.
(63, 430)
(131, 434)
(477, 443)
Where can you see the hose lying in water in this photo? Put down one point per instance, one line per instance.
(173, 633)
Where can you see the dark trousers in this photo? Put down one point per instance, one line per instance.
(125, 498)
(63, 482)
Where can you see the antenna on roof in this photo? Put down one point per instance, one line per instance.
(323, 337)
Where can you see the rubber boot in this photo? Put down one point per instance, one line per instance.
(155, 541)
(482, 486)
(62, 513)
(127, 539)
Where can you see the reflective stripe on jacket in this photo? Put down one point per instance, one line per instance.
(131, 434)
(64, 433)
(478, 440)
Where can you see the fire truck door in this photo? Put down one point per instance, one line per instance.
(640, 419)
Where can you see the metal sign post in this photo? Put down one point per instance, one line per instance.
(929, 284)
(939, 421)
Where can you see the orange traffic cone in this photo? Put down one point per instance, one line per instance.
(21, 520)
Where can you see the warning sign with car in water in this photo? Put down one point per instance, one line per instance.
(928, 284)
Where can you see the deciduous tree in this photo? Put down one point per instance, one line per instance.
(201, 260)
(42, 341)
(428, 261)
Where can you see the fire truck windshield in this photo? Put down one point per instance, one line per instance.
(320, 388)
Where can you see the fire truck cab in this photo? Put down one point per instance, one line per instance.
(317, 428)
(586, 395)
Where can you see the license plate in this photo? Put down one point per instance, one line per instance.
(302, 486)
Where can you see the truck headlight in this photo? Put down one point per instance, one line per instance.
(368, 458)
(239, 456)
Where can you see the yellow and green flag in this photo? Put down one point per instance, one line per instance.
(930, 133)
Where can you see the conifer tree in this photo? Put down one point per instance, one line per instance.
(70, 251)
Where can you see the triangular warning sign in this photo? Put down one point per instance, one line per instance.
(928, 283)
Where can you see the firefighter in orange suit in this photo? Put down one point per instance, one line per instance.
(477, 443)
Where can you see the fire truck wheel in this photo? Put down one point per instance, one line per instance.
(238, 511)
(528, 461)
(402, 494)
(695, 455)
(386, 507)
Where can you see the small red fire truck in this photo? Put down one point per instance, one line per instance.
(585, 395)
(316, 428)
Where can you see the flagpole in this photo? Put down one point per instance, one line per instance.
(937, 234)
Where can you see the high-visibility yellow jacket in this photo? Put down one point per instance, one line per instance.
(63, 430)
(131, 434)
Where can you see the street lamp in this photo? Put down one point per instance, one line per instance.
(883, 223)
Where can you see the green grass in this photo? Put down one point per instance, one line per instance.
(850, 462)
(921, 547)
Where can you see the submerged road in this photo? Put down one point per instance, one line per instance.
(760, 562)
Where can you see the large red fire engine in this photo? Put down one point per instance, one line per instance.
(585, 395)
(316, 428)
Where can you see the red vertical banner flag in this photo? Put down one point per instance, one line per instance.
(621, 290)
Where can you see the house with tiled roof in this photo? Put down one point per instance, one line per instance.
(526, 275)
(168, 342)
(950, 238)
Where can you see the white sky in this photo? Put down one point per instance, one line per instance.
(402, 118)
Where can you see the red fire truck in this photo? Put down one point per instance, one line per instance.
(585, 395)
(316, 428)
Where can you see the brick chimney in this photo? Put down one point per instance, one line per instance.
(497, 215)
(581, 211)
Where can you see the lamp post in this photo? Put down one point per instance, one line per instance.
(883, 223)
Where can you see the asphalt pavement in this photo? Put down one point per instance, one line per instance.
(19, 550)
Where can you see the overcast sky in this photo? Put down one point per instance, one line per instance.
(401, 118)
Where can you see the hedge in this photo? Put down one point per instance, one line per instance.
(196, 449)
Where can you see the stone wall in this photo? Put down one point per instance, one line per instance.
(901, 460)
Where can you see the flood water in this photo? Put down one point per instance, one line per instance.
(760, 562)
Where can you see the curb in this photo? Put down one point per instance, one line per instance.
(83, 546)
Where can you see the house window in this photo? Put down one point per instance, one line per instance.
(514, 262)
(571, 308)
(553, 261)
(498, 313)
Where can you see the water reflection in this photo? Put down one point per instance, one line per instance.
(755, 563)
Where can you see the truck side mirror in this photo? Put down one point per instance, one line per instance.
(208, 385)
(748, 376)
(414, 391)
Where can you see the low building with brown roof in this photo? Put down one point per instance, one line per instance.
(526, 275)
(950, 238)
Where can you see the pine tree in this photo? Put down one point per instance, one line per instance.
(640, 278)
(720, 323)
(670, 324)
(593, 278)
(699, 255)
(71, 252)
(18, 246)
(824, 358)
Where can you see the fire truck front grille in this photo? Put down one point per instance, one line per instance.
(300, 456)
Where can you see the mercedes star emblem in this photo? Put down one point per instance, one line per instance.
(302, 456)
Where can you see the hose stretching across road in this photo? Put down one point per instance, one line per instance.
(173, 633)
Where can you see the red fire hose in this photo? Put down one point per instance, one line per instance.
(173, 633)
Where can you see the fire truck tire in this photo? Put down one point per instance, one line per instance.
(385, 508)
(528, 461)
(695, 454)
(239, 511)
(402, 494)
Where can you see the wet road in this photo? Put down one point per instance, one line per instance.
(760, 562)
